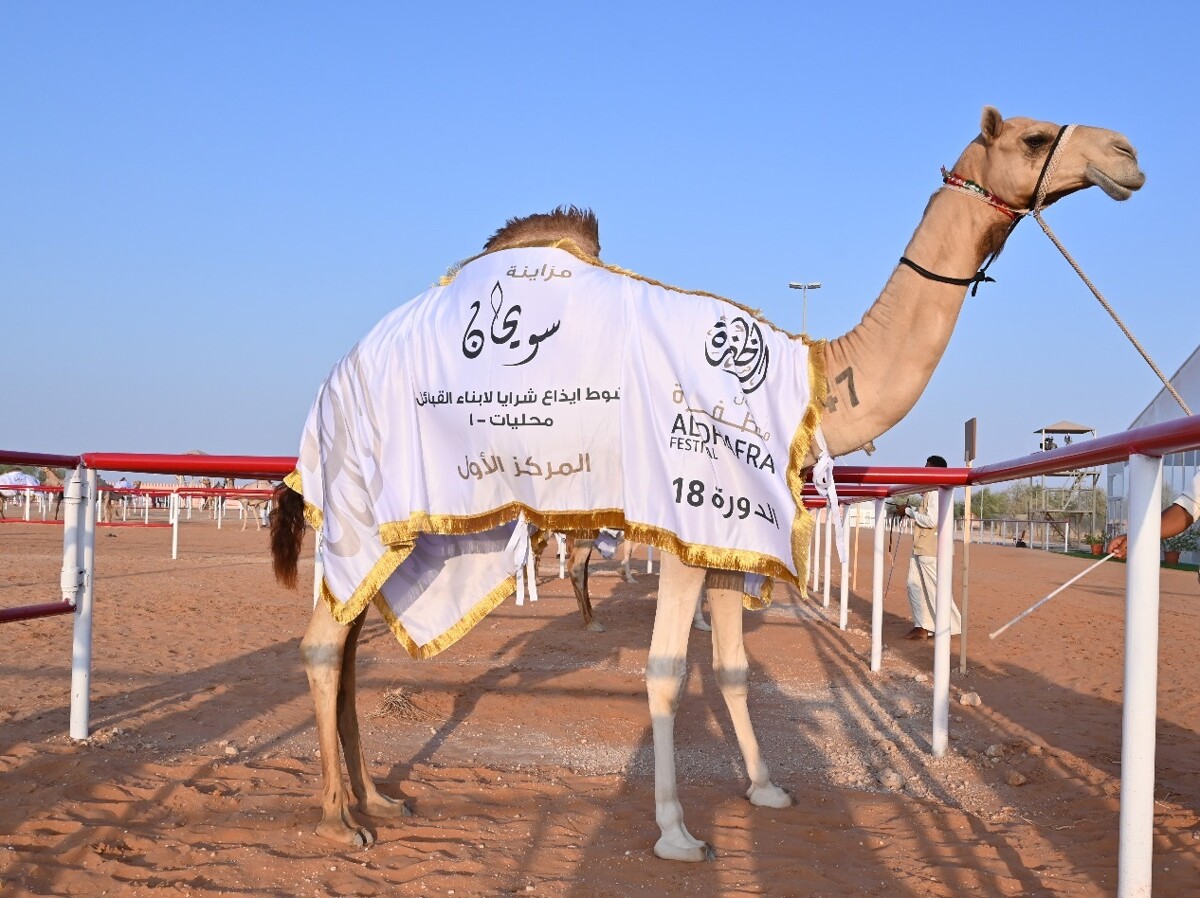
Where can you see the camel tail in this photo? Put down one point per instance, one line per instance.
(287, 533)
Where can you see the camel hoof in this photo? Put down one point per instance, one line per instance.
(386, 808)
(352, 836)
(596, 627)
(769, 796)
(692, 854)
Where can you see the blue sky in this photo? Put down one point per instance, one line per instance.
(206, 204)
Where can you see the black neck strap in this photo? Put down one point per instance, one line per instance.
(978, 278)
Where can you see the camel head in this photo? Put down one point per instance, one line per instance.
(1009, 156)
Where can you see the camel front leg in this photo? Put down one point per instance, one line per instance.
(370, 799)
(731, 669)
(666, 670)
(323, 650)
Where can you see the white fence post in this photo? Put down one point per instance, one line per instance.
(826, 578)
(1139, 700)
(877, 589)
(941, 620)
(81, 649)
(844, 597)
(815, 553)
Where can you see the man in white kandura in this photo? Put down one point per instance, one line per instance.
(922, 567)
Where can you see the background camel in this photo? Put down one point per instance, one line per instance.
(875, 374)
(255, 506)
(105, 497)
(579, 558)
(51, 478)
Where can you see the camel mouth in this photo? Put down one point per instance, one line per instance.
(1114, 188)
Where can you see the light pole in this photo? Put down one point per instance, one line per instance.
(804, 288)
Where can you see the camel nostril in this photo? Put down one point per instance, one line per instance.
(1125, 148)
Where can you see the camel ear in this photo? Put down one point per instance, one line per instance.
(991, 123)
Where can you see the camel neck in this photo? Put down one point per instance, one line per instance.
(891, 354)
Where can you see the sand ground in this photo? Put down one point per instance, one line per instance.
(525, 750)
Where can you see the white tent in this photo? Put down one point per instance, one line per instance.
(1179, 467)
(18, 478)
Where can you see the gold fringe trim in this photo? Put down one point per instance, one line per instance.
(709, 556)
(401, 532)
(481, 609)
(312, 514)
(802, 440)
(369, 588)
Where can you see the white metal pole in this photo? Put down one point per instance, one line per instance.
(826, 578)
(561, 539)
(966, 576)
(815, 554)
(858, 507)
(649, 559)
(173, 511)
(941, 621)
(1139, 699)
(877, 589)
(71, 577)
(844, 598)
(81, 649)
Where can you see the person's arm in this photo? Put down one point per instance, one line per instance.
(1175, 519)
(926, 519)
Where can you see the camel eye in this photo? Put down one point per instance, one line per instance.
(1036, 141)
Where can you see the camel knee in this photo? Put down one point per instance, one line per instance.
(733, 681)
(664, 685)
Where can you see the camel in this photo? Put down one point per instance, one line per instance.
(875, 373)
(50, 478)
(254, 506)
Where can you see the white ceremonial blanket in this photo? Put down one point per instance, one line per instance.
(541, 384)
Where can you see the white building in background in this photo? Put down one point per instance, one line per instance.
(1179, 467)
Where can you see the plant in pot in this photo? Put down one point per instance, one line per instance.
(1096, 541)
(1186, 541)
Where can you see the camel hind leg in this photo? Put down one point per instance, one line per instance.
(329, 651)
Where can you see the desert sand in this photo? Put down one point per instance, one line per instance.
(524, 750)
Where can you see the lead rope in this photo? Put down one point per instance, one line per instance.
(1043, 187)
(1108, 308)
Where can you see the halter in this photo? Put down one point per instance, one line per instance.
(954, 181)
